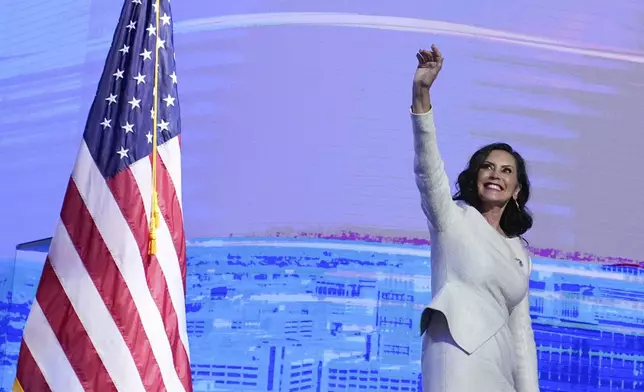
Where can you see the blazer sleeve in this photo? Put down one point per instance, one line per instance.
(429, 169)
(526, 377)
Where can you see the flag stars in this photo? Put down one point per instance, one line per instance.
(151, 30)
(106, 123)
(128, 128)
(144, 109)
(147, 55)
(123, 152)
(163, 126)
(111, 99)
(169, 100)
(135, 103)
(139, 78)
(165, 19)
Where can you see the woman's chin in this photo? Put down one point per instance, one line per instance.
(489, 202)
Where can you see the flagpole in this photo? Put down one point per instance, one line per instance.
(154, 210)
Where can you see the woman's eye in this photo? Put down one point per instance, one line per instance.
(507, 170)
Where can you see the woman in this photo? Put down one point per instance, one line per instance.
(477, 332)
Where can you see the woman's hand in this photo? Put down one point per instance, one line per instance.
(429, 65)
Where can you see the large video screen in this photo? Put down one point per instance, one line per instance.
(309, 255)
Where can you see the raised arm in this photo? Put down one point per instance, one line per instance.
(526, 376)
(431, 179)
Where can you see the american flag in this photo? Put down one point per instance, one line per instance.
(109, 313)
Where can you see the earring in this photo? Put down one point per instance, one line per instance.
(517, 204)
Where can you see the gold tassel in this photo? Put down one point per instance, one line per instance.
(154, 215)
(154, 225)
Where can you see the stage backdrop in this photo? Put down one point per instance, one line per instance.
(295, 119)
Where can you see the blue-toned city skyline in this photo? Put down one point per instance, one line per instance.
(278, 314)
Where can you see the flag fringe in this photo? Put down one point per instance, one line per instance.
(17, 387)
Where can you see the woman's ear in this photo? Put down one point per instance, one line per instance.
(516, 192)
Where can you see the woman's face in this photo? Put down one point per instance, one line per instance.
(497, 181)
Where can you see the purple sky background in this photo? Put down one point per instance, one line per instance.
(303, 127)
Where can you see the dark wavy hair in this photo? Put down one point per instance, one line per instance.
(514, 221)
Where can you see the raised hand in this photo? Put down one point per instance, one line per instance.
(429, 65)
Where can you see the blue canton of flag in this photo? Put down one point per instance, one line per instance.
(119, 129)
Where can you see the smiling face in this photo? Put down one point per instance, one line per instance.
(497, 180)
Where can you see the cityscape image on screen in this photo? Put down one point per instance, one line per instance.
(275, 314)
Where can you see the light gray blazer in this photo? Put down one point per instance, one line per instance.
(479, 278)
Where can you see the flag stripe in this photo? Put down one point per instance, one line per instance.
(122, 245)
(169, 258)
(85, 283)
(172, 214)
(181, 360)
(28, 376)
(169, 263)
(173, 258)
(132, 202)
(58, 311)
(170, 154)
